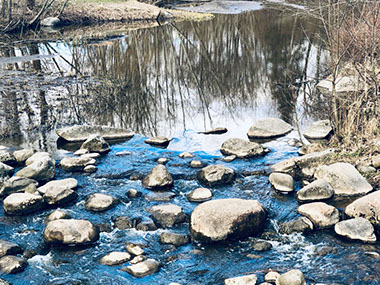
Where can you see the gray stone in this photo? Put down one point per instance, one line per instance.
(134, 249)
(133, 193)
(93, 155)
(356, 229)
(138, 259)
(160, 196)
(366, 169)
(242, 280)
(40, 166)
(9, 248)
(59, 196)
(262, 246)
(123, 223)
(318, 190)
(282, 182)
(115, 258)
(96, 143)
(292, 277)
(22, 203)
(5, 171)
(199, 195)
(186, 155)
(302, 225)
(7, 157)
(322, 215)
(144, 268)
(269, 128)
(100, 202)
(12, 264)
(123, 153)
(76, 163)
(271, 276)
(68, 183)
(213, 175)
(70, 232)
(81, 151)
(17, 185)
(162, 160)
(196, 164)
(146, 225)
(158, 178)
(293, 142)
(366, 207)
(241, 148)
(216, 131)
(80, 133)
(90, 169)
(376, 161)
(318, 130)
(50, 22)
(223, 219)
(57, 215)
(158, 141)
(22, 155)
(175, 239)
(167, 215)
(229, 158)
(344, 179)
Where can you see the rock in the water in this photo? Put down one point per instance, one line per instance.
(158, 141)
(22, 203)
(163, 160)
(123, 223)
(80, 133)
(50, 22)
(70, 232)
(81, 151)
(40, 166)
(175, 239)
(213, 175)
(100, 202)
(269, 128)
(293, 142)
(134, 249)
(262, 246)
(57, 215)
(344, 179)
(356, 229)
(322, 215)
(22, 155)
(302, 225)
(241, 280)
(367, 207)
(76, 163)
(9, 248)
(133, 193)
(216, 131)
(7, 157)
(5, 171)
(376, 161)
(282, 182)
(146, 225)
(167, 215)
(223, 219)
(292, 277)
(17, 185)
(318, 130)
(241, 148)
(96, 143)
(199, 195)
(186, 155)
(271, 276)
(68, 183)
(115, 258)
(160, 196)
(196, 164)
(90, 169)
(229, 158)
(12, 264)
(144, 268)
(318, 190)
(59, 196)
(158, 177)
(138, 259)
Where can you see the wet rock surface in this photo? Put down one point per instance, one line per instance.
(167, 215)
(241, 280)
(282, 182)
(318, 190)
(100, 202)
(144, 268)
(76, 163)
(12, 264)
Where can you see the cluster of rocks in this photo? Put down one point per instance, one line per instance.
(292, 277)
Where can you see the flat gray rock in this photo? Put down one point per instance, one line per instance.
(318, 130)
(356, 229)
(282, 182)
(96, 143)
(322, 215)
(292, 277)
(241, 148)
(199, 195)
(80, 133)
(22, 203)
(318, 190)
(174, 239)
(17, 185)
(158, 141)
(100, 202)
(68, 183)
(167, 215)
(144, 268)
(115, 258)
(76, 163)
(216, 131)
(269, 128)
(40, 167)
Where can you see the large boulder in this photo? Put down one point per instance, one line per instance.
(40, 166)
(213, 175)
(292, 277)
(9, 248)
(76, 163)
(322, 215)
(50, 22)
(100, 202)
(282, 182)
(318, 130)
(96, 143)
(344, 179)
(167, 215)
(356, 229)
(22, 203)
(269, 128)
(318, 190)
(80, 133)
(12, 264)
(241, 280)
(68, 183)
(144, 268)
(367, 207)
(158, 178)
(17, 185)
(70, 232)
(223, 219)
(5, 171)
(241, 148)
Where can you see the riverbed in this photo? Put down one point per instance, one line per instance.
(174, 80)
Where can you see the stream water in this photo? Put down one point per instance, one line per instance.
(174, 80)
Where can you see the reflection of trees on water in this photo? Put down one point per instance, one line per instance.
(170, 74)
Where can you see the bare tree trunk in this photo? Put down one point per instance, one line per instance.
(3, 8)
(9, 10)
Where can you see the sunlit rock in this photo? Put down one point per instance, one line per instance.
(9, 248)
(12, 264)
(159, 177)
(167, 215)
(57, 215)
(144, 268)
(173, 238)
(23, 154)
(318, 190)
(17, 185)
(40, 166)
(199, 195)
(242, 280)
(100, 202)
(76, 163)
(115, 258)
(318, 130)
(282, 182)
(322, 215)
(158, 141)
(356, 229)
(216, 131)
(241, 148)
(269, 128)
(292, 277)
(22, 203)
(80, 133)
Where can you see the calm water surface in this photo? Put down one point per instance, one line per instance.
(173, 80)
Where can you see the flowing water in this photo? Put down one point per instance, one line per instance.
(173, 80)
